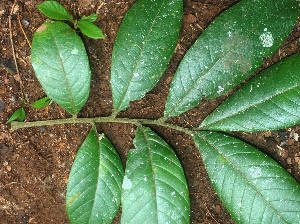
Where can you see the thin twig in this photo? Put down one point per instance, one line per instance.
(23, 31)
(13, 50)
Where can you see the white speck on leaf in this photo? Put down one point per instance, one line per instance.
(74, 51)
(221, 89)
(266, 39)
(126, 183)
(255, 171)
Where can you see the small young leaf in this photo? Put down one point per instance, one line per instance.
(95, 181)
(20, 113)
(90, 18)
(269, 101)
(61, 64)
(154, 188)
(229, 50)
(54, 10)
(252, 186)
(41, 103)
(90, 29)
(143, 47)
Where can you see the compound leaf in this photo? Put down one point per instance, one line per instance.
(143, 47)
(61, 65)
(229, 50)
(269, 101)
(54, 10)
(90, 29)
(154, 188)
(252, 186)
(94, 185)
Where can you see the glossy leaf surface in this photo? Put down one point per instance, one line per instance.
(90, 29)
(54, 10)
(269, 101)
(94, 185)
(252, 186)
(143, 47)
(61, 65)
(229, 50)
(154, 188)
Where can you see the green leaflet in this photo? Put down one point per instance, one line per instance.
(90, 18)
(20, 113)
(54, 10)
(252, 186)
(143, 47)
(61, 64)
(41, 103)
(229, 50)
(88, 28)
(154, 188)
(269, 101)
(94, 184)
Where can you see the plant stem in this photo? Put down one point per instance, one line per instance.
(15, 125)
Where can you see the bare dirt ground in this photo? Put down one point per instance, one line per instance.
(35, 162)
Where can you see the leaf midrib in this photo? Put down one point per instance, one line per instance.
(209, 68)
(140, 54)
(238, 170)
(153, 175)
(63, 70)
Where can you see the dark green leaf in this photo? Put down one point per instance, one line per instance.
(20, 113)
(61, 64)
(41, 103)
(229, 50)
(90, 29)
(94, 185)
(269, 101)
(90, 18)
(54, 10)
(143, 47)
(154, 188)
(252, 186)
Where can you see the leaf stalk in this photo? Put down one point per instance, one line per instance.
(15, 125)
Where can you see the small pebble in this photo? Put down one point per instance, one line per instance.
(25, 22)
(41, 128)
(3, 149)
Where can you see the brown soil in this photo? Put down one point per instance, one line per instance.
(35, 162)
